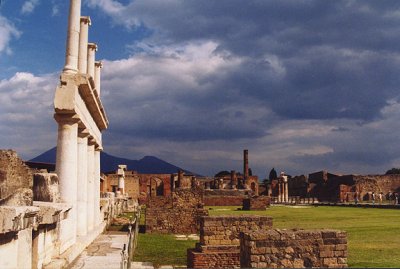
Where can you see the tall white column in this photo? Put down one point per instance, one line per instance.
(91, 56)
(286, 191)
(82, 184)
(83, 44)
(72, 47)
(90, 186)
(97, 75)
(66, 169)
(97, 219)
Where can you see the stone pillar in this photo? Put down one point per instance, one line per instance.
(287, 191)
(245, 165)
(234, 182)
(83, 44)
(66, 169)
(72, 46)
(97, 219)
(279, 192)
(91, 55)
(82, 184)
(97, 75)
(90, 186)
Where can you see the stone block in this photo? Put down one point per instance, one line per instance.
(46, 187)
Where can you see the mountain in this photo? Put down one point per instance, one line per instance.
(146, 165)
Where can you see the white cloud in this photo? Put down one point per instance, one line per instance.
(7, 32)
(29, 6)
(26, 113)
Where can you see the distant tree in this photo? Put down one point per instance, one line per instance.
(222, 174)
(393, 171)
(272, 174)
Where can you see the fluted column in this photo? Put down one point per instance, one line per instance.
(97, 75)
(82, 183)
(83, 44)
(96, 193)
(72, 46)
(287, 191)
(91, 56)
(66, 169)
(90, 186)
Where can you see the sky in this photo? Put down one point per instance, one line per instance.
(303, 85)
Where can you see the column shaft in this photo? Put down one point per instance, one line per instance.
(72, 46)
(90, 187)
(97, 76)
(82, 185)
(83, 44)
(97, 219)
(91, 55)
(66, 169)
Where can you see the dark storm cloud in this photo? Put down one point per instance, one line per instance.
(339, 57)
(319, 74)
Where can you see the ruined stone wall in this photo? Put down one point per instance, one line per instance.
(293, 249)
(145, 185)
(178, 213)
(16, 180)
(225, 197)
(219, 245)
(256, 203)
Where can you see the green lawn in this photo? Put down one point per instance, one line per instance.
(162, 249)
(373, 234)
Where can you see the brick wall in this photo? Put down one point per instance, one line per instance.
(225, 230)
(219, 245)
(225, 197)
(16, 180)
(293, 249)
(256, 203)
(179, 213)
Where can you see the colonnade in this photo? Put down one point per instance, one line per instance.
(81, 118)
(283, 190)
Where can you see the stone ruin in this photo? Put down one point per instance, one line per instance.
(250, 242)
(178, 213)
(16, 180)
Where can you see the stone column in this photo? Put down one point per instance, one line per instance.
(96, 193)
(234, 182)
(91, 55)
(279, 192)
(287, 191)
(90, 186)
(66, 169)
(97, 75)
(82, 183)
(245, 165)
(72, 47)
(83, 44)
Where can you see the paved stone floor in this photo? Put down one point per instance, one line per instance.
(105, 252)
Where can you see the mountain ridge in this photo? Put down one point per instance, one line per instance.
(109, 163)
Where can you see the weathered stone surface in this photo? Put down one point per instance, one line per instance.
(293, 249)
(15, 180)
(219, 245)
(178, 214)
(14, 219)
(46, 187)
(256, 203)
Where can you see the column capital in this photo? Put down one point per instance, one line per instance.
(98, 148)
(98, 64)
(86, 20)
(83, 133)
(92, 46)
(66, 118)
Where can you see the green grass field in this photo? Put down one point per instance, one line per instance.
(373, 234)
